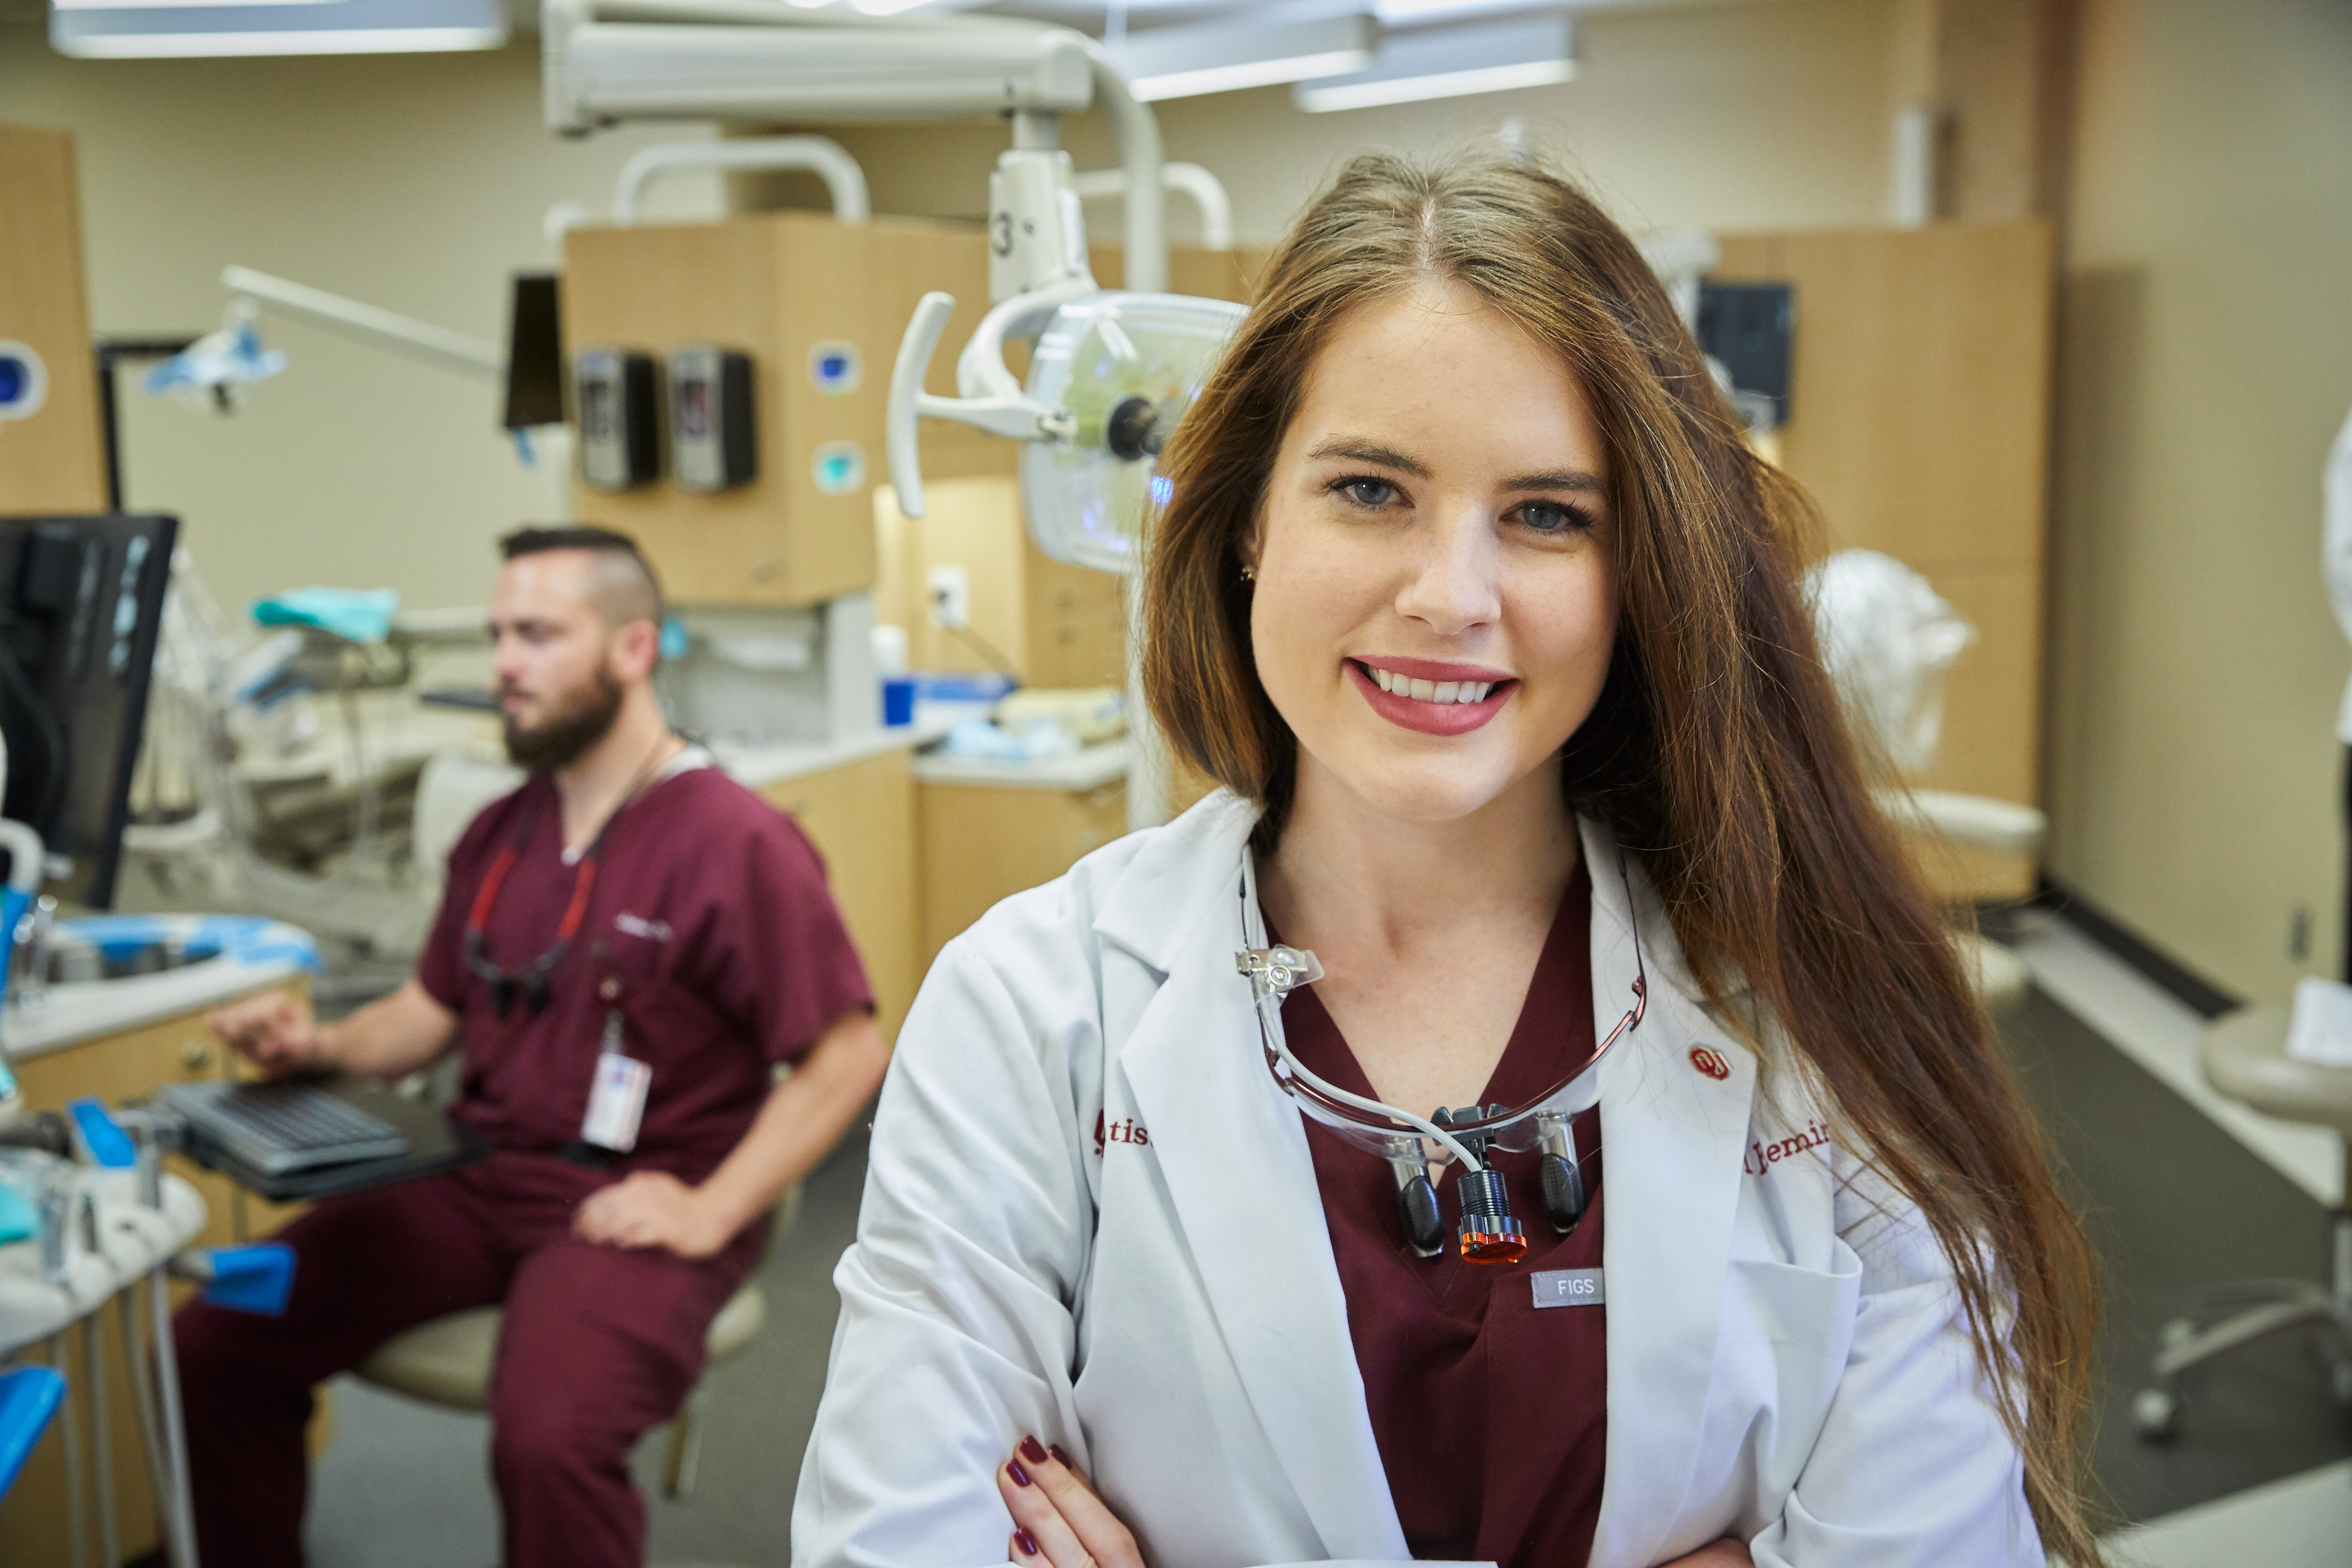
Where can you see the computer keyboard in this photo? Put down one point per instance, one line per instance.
(279, 1128)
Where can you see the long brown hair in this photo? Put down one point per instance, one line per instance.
(1717, 751)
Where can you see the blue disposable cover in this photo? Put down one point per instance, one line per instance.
(19, 1220)
(28, 1397)
(108, 1145)
(257, 1277)
(248, 939)
(355, 614)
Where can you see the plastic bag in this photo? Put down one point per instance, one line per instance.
(1887, 638)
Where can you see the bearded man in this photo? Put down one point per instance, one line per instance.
(628, 947)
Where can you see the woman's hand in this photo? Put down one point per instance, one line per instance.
(1056, 1517)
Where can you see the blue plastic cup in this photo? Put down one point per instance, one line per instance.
(899, 701)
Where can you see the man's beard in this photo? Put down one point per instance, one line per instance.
(576, 721)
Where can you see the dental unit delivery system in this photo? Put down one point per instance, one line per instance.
(1113, 370)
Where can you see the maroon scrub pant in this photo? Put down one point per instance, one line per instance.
(598, 1345)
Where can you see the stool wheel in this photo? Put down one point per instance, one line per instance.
(2155, 1415)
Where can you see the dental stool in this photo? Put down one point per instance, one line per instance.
(2245, 1058)
(447, 1361)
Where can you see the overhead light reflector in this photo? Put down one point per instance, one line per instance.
(1184, 62)
(1451, 62)
(182, 28)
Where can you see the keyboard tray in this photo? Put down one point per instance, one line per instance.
(436, 1145)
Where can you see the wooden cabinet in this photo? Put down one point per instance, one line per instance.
(117, 1068)
(1919, 421)
(861, 816)
(54, 461)
(983, 843)
(1056, 625)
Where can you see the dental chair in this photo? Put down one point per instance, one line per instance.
(2244, 1056)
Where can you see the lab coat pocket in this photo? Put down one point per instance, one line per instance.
(1786, 1335)
(1770, 1302)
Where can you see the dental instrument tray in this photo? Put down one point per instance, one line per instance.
(290, 1142)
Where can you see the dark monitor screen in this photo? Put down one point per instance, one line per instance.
(81, 605)
(534, 354)
(1749, 328)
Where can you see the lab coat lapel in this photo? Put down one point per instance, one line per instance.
(1242, 1182)
(1672, 1134)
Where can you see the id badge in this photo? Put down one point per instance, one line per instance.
(616, 1101)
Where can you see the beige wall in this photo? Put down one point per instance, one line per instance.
(1734, 117)
(415, 182)
(2205, 363)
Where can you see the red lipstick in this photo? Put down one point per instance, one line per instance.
(1431, 718)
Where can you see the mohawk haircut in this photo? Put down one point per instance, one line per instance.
(620, 585)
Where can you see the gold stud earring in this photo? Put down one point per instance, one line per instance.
(1249, 573)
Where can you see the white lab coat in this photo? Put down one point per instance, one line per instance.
(1785, 1360)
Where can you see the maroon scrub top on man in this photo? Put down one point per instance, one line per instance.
(709, 926)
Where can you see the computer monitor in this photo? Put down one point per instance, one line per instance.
(81, 605)
(534, 353)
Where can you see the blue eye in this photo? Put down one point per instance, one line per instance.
(1551, 517)
(1369, 493)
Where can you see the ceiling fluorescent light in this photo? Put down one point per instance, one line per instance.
(173, 5)
(1451, 62)
(1422, 13)
(183, 30)
(1183, 62)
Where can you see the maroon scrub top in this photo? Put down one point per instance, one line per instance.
(1492, 1415)
(709, 926)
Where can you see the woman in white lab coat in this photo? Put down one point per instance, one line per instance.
(1471, 596)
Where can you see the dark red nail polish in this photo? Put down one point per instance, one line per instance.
(1065, 1459)
(1020, 1477)
(1033, 1450)
(1027, 1543)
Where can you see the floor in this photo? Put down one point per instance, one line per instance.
(2182, 1190)
(2179, 1188)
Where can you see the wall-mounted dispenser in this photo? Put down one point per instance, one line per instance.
(620, 417)
(712, 445)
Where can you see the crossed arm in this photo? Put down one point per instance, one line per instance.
(1058, 1520)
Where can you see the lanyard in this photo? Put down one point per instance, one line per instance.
(531, 979)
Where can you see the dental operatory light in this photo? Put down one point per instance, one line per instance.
(215, 370)
(1111, 375)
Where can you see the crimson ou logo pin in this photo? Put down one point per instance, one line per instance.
(1710, 1062)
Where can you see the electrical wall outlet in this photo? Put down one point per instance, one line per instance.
(950, 589)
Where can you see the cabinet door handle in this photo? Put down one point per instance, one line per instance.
(194, 1055)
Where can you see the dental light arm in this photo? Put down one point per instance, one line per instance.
(1207, 192)
(845, 182)
(369, 324)
(609, 60)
